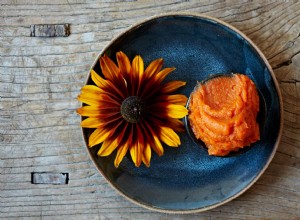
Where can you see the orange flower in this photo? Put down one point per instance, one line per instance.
(131, 109)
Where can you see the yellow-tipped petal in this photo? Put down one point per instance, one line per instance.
(122, 150)
(154, 67)
(136, 150)
(108, 90)
(163, 110)
(176, 124)
(109, 68)
(113, 76)
(92, 123)
(123, 63)
(172, 86)
(176, 111)
(157, 146)
(98, 80)
(153, 139)
(153, 85)
(91, 89)
(112, 143)
(94, 111)
(169, 137)
(88, 111)
(102, 134)
(146, 157)
(88, 100)
(97, 99)
(107, 86)
(138, 67)
(98, 136)
(172, 99)
(159, 77)
(107, 147)
(116, 89)
(102, 101)
(135, 155)
(140, 144)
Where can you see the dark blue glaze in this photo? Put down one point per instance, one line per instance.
(187, 178)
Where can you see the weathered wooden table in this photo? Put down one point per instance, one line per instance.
(40, 79)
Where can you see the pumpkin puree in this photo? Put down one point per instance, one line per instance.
(223, 113)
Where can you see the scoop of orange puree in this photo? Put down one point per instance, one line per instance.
(223, 113)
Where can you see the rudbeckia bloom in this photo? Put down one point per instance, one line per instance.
(132, 109)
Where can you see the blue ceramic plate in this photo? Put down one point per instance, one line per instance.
(187, 179)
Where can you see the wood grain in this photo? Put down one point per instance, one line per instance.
(41, 78)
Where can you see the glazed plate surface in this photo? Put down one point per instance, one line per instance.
(187, 179)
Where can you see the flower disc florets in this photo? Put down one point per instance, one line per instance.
(133, 109)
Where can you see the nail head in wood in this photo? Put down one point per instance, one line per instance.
(50, 30)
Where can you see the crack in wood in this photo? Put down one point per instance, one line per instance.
(286, 62)
(290, 81)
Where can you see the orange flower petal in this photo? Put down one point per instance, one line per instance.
(121, 94)
(137, 74)
(172, 99)
(107, 147)
(98, 136)
(163, 110)
(89, 101)
(91, 89)
(123, 63)
(138, 67)
(136, 149)
(98, 80)
(172, 86)
(134, 154)
(122, 150)
(94, 111)
(112, 143)
(92, 123)
(97, 103)
(97, 99)
(154, 140)
(153, 85)
(146, 157)
(102, 134)
(157, 146)
(159, 77)
(145, 82)
(109, 68)
(169, 136)
(107, 86)
(154, 67)
(175, 124)
(176, 111)
(140, 144)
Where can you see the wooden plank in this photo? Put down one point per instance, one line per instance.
(40, 79)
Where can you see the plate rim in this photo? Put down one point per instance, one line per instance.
(276, 84)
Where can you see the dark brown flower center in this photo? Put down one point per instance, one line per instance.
(132, 109)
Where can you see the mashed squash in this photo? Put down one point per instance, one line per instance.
(223, 113)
